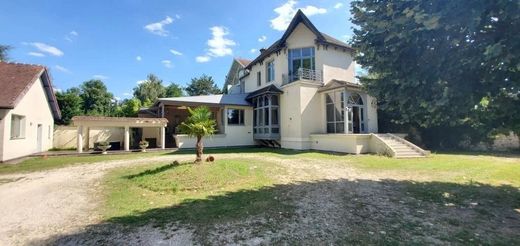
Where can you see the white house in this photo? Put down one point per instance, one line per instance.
(28, 108)
(299, 93)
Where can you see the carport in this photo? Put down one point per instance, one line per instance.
(82, 122)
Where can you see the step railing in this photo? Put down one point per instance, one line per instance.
(388, 149)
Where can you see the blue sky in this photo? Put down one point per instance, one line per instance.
(120, 42)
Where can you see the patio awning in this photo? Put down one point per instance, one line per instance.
(209, 100)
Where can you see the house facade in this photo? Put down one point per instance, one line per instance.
(299, 93)
(28, 108)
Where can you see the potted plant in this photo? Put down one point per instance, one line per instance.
(143, 144)
(103, 146)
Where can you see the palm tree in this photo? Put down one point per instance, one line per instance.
(199, 124)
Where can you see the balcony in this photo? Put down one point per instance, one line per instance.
(304, 74)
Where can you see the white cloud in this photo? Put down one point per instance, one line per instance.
(202, 59)
(55, 89)
(346, 38)
(138, 58)
(141, 81)
(157, 28)
(167, 63)
(262, 38)
(38, 54)
(100, 77)
(175, 52)
(218, 45)
(71, 36)
(252, 50)
(177, 16)
(338, 5)
(45, 48)
(61, 69)
(128, 94)
(287, 11)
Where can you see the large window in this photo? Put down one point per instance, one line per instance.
(270, 72)
(17, 126)
(335, 104)
(235, 116)
(266, 116)
(300, 58)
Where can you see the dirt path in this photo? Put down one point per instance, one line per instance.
(37, 205)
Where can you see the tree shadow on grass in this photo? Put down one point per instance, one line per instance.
(324, 212)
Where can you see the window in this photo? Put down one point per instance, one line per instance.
(300, 58)
(335, 103)
(235, 116)
(17, 126)
(258, 78)
(266, 115)
(270, 72)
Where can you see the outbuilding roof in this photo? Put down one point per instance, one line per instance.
(15, 81)
(221, 99)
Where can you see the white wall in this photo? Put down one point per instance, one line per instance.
(345, 143)
(65, 136)
(36, 109)
(234, 135)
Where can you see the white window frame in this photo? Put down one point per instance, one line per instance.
(18, 132)
(269, 71)
(336, 121)
(241, 116)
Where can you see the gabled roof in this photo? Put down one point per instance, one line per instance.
(15, 81)
(335, 84)
(270, 89)
(321, 38)
(243, 62)
(221, 99)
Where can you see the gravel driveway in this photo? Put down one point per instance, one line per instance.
(37, 205)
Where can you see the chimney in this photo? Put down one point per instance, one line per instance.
(262, 50)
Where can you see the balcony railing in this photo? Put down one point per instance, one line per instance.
(305, 75)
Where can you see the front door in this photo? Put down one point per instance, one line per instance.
(39, 144)
(355, 120)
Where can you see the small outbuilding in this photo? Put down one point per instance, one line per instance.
(28, 108)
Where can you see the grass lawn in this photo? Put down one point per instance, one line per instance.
(464, 196)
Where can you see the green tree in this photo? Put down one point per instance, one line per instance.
(442, 63)
(174, 90)
(96, 98)
(4, 49)
(149, 90)
(204, 85)
(199, 124)
(70, 104)
(130, 107)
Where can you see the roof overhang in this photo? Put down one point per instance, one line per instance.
(102, 121)
(337, 84)
(268, 90)
(206, 100)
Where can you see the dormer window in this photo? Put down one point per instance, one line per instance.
(270, 72)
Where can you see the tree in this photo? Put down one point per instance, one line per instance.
(96, 98)
(174, 90)
(442, 63)
(149, 90)
(130, 107)
(4, 49)
(70, 104)
(199, 124)
(204, 85)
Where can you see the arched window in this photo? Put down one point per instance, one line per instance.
(355, 99)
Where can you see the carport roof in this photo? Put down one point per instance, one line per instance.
(103, 121)
(221, 99)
